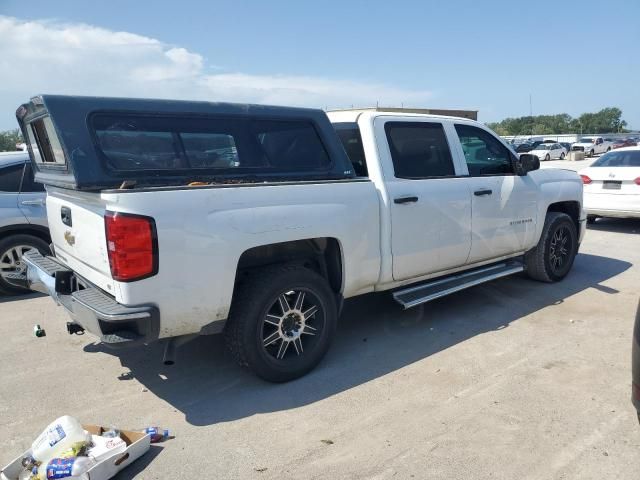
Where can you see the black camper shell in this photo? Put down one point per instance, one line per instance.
(96, 143)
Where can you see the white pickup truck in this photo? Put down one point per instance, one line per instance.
(172, 219)
(592, 146)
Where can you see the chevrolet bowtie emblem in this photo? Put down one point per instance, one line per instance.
(68, 236)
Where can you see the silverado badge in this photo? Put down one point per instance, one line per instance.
(68, 236)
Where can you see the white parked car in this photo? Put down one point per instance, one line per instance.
(193, 218)
(592, 146)
(549, 151)
(612, 185)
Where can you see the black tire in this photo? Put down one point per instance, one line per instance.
(258, 300)
(591, 154)
(542, 262)
(547, 157)
(591, 219)
(562, 156)
(608, 149)
(10, 242)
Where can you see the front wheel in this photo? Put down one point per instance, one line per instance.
(608, 149)
(547, 157)
(591, 153)
(553, 257)
(562, 156)
(282, 321)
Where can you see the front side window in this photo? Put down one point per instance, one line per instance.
(484, 153)
(419, 150)
(10, 178)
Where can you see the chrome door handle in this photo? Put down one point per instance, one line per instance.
(405, 200)
(33, 202)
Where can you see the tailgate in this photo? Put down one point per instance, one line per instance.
(76, 223)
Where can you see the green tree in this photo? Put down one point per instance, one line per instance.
(9, 139)
(607, 120)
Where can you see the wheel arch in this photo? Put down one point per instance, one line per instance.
(26, 229)
(321, 254)
(570, 207)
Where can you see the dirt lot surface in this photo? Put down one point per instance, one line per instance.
(510, 380)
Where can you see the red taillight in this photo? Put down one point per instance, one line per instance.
(132, 245)
(586, 180)
(637, 181)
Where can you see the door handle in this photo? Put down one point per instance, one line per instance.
(484, 191)
(33, 202)
(401, 200)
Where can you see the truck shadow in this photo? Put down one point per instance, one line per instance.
(375, 337)
(617, 225)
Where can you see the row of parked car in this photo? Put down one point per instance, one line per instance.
(552, 149)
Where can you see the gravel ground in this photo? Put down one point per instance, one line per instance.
(509, 380)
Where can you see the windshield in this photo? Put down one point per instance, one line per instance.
(586, 140)
(543, 146)
(629, 158)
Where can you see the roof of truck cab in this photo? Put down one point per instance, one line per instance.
(354, 115)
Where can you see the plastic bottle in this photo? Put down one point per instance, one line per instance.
(70, 468)
(60, 435)
(158, 434)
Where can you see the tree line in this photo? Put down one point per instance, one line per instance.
(607, 120)
(9, 139)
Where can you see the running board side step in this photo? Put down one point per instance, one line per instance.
(430, 290)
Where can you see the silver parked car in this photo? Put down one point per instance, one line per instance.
(23, 218)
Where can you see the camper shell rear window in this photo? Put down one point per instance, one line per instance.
(130, 142)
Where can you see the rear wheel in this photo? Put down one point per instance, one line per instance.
(12, 248)
(553, 257)
(562, 156)
(282, 321)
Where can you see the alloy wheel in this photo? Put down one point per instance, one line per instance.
(11, 261)
(292, 324)
(559, 249)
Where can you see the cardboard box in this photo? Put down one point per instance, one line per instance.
(137, 444)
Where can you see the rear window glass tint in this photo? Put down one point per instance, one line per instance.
(133, 142)
(625, 158)
(291, 145)
(211, 150)
(419, 150)
(349, 135)
(28, 185)
(10, 178)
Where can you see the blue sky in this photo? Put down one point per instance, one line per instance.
(570, 56)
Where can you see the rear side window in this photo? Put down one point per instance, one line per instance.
(28, 185)
(131, 142)
(10, 178)
(291, 145)
(44, 142)
(419, 150)
(349, 135)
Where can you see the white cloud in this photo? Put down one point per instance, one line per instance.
(52, 57)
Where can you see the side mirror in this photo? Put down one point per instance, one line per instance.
(526, 163)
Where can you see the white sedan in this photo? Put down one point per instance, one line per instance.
(548, 151)
(612, 185)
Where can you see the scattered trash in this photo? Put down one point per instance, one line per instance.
(68, 449)
(157, 434)
(328, 442)
(38, 331)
